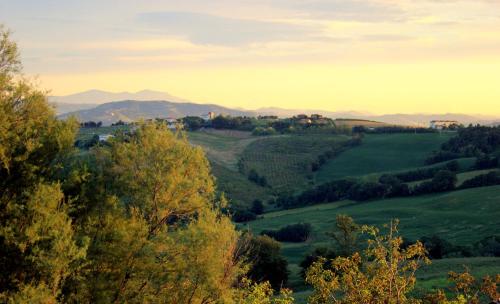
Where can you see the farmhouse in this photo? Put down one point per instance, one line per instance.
(104, 137)
(208, 116)
(441, 124)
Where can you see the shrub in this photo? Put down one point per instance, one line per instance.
(267, 262)
(295, 233)
(483, 180)
(253, 176)
(315, 256)
(367, 191)
(257, 207)
(240, 216)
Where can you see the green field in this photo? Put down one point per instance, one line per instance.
(382, 153)
(461, 217)
(286, 161)
(223, 147)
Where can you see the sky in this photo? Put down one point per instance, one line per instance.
(377, 56)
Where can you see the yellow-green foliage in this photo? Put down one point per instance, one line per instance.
(385, 273)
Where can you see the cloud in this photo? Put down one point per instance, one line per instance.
(388, 38)
(210, 29)
(347, 10)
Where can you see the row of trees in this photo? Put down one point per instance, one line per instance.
(295, 233)
(387, 186)
(473, 141)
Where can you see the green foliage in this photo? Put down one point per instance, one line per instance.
(193, 123)
(267, 262)
(133, 221)
(261, 293)
(257, 207)
(385, 273)
(295, 233)
(38, 245)
(345, 234)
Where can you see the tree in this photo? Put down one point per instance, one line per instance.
(130, 222)
(384, 273)
(267, 262)
(193, 123)
(257, 206)
(156, 225)
(345, 234)
(38, 245)
(324, 253)
(467, 290)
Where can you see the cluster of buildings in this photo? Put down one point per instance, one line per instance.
(316, 119)
(443, 124)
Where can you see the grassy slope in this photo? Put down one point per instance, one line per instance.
(285, 161)
(223, 149)
(461, 217)
(382, 153)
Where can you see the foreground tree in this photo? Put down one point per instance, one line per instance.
(385, 273)
(38, 246)
(345, 234)
(134, 221)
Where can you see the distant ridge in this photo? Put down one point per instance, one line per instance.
(100, 97)
(131, 110)
(110, 107)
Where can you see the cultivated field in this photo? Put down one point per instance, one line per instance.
(286, 161)
(382, 153)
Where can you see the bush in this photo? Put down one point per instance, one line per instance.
(486, 162)
(240, 216)
(314, 256)
(260, 131)
(267, 262)
(367, 191)
(483, 180)
(193, 123)
(294, 233)
(253, 176)
(444, 180)
(489, 246)
(257, 207)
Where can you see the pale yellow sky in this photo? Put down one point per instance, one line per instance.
(379, 56)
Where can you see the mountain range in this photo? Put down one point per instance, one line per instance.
(110, 107)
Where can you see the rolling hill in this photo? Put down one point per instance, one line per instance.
(131, 110)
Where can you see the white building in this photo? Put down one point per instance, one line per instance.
(105, 137)
(208, 116)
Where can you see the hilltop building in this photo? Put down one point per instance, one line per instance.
(442, 124)
(208, 116)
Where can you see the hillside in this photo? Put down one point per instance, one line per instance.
(382, 153)
(130, 110)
